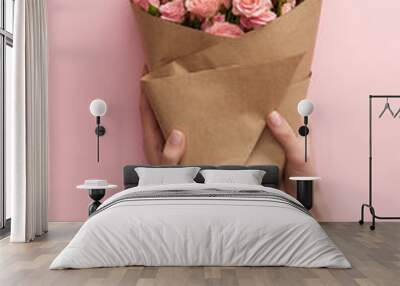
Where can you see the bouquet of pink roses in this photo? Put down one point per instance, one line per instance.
(229, 18)
(219, 90)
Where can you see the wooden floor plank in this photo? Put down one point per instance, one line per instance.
(375, 257)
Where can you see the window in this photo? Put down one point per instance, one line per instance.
(6, 62)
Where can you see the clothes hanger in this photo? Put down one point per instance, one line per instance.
(387, 107)
(397, 113)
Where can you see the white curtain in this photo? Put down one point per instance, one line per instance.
(26, 123)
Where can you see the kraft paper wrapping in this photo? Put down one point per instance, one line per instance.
(219, 91)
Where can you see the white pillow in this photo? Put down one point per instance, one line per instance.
(248, 177)
(162, 176)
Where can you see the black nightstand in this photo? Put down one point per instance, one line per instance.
(305, 190)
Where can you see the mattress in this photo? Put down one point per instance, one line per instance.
(201, 225)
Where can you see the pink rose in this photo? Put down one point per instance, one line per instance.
(288, 6)
(203, 8)
(173, 11)
(219, 18)
(251, 8)
(254, 22)
(224, 29)
(145, 3)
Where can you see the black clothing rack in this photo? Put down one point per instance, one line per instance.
(370, 205)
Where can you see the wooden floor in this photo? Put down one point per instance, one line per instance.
(375, 257)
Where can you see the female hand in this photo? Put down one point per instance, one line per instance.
(157, 150)
(293, 147)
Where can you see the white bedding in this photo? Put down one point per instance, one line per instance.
(200, 231)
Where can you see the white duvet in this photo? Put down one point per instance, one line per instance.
(200, 231)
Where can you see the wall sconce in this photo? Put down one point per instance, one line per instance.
(98, 108)
(305, 108)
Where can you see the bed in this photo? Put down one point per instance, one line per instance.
(201, 224)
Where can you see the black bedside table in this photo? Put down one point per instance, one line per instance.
(305, 190)
(96, 193)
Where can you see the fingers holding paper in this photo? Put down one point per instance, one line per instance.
(170, 151)
(293, 147)
(157, 150)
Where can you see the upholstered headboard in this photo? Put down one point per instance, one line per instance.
(271, 177)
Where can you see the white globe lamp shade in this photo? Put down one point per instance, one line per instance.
(98, 107)
(305, 107)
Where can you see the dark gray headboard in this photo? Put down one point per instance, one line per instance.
(271, 177)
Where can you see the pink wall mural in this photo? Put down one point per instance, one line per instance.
(95, 52)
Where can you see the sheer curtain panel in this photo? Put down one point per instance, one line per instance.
(26, 117)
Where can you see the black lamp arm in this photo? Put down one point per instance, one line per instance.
(304, 131)
(100, 131)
